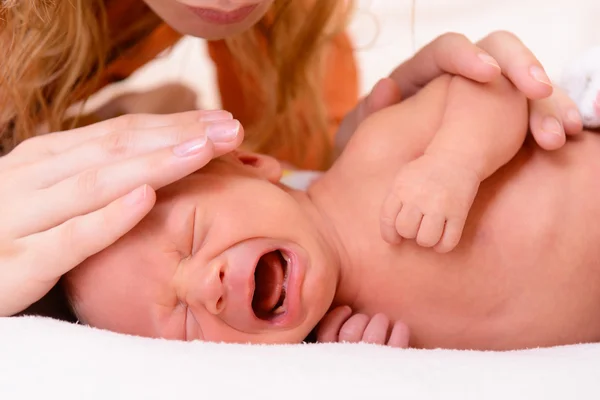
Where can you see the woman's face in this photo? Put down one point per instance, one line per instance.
(210, 19)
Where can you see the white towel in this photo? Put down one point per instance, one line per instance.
(47, 359)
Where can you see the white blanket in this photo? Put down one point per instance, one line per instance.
(46, 359)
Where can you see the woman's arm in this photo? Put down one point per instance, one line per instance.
(552, 113)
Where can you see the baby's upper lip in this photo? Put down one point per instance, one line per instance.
(239, 281)
(242, 260)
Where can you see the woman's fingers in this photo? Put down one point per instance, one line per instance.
(93, 189)
(545, 124)
(450, 53)
(552, 118)
(34, 149)
(65, 246)
(74, 137)
(567, 112)
(385, 93)
(518, 64)
(225, 134)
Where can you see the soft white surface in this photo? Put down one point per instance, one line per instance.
(45, 359)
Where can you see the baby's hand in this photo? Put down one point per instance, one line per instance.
(340, 325)
(429, 202)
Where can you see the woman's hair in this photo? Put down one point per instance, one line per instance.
(54, 52)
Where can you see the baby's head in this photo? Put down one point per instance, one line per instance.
(227, 254)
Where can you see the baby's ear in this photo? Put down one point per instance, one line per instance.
(265, 166)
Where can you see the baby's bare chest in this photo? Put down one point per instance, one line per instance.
(530, 240)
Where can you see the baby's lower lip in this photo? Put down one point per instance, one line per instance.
(223, 17)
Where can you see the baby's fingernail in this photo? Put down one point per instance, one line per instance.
(551, 125)
(574, 116)
(190, 148)
(214, 115)
(486, 58)
(223, 131)
(539, 75)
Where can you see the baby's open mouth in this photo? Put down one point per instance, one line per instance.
(270, 283)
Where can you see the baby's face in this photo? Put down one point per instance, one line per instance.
(226, 254)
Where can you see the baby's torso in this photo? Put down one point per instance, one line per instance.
(527, 270)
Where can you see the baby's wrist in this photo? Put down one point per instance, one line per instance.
(457, 161)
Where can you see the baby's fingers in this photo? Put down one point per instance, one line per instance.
(376, 331)
(409, 221)
(400, 335)
(389, 213)
(352, 331)
(430, 231)
(330, 326)
(451, 236)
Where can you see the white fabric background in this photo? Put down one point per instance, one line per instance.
(556, 30)
(45, 359)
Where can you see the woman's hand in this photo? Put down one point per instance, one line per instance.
(552, 113)
(65, 196)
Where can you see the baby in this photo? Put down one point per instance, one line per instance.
(230, 254)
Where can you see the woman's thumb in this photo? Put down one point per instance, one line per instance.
(385, 93)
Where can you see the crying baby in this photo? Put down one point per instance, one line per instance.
(230, 254)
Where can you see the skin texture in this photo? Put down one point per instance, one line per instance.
(524, 274)
(177, 13)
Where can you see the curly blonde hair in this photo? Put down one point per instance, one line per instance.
(55, 51)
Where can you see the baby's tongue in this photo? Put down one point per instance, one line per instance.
(268, 281)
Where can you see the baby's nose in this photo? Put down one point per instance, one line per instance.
(211, 291)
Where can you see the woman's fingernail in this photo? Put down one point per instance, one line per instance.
(574, 116)
(214, 115)
(136, 196)
(223, 131)
(486, 58)
(551, 125)
(539, 75)
(191, 147)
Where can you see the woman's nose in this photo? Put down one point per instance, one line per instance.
(212, 293)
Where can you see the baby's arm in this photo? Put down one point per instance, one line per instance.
(483, 127)
(341, 325)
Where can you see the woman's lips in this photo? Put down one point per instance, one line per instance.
(223, 17)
